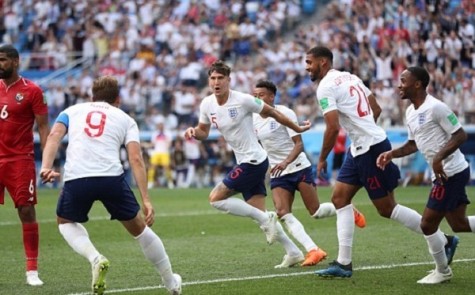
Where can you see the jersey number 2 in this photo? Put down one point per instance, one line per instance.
(363, 103)
(96, 122)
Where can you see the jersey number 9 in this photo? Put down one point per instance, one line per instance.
(96, 122)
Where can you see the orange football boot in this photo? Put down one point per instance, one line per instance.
(314, 256)
(360, 220)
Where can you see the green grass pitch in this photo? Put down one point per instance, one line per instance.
(217, 253)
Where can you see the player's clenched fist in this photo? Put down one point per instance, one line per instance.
(190, 133)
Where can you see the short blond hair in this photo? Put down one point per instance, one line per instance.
(105, 88)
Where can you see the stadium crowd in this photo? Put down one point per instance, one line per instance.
(160, 50)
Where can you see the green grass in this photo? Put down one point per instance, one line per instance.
(222, 254)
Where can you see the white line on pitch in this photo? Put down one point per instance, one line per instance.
(103, 217)
(190, 213)
(271, 276)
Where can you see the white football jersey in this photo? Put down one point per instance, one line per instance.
(277, 140)
(162, 141)
(431, 127)
(346, 93)
(234, 122)
(96, 131)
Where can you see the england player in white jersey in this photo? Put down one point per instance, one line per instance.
(230, 112)
(345, 100)
(290, 171)
(93, 172)
(434, 129)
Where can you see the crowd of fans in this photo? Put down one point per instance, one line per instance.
(160, 49)
(377, 40)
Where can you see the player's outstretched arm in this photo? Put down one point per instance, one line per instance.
(137, 165)
(50, 149)
(269, 111)
(384, 158)
(199, 132)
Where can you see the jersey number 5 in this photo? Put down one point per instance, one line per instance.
(96, 122)
(363, 103)
(213, 120)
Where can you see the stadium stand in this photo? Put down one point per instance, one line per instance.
(159, 49)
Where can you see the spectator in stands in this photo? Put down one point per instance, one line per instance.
(179, 163)
(194, 153)
(159, 173)
(453, 48)
(185, 101)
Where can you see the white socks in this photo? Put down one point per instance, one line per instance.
(154, 251)
(290, 248)
(77, 237)
(471, 222)
(407, 217)
(436, 243)
(345, 224)
(296, 229)
(238, 207)
(326, 209)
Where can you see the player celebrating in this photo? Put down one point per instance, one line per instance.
(291, 170)
(231, 113)
(435, 130)
(21, 105)
(345, 99)
(93, 171)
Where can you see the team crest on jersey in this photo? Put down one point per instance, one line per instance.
(233, 113)
(422, 118)
(19, 97)
(273, 125)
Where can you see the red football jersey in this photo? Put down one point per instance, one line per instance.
(19, 103)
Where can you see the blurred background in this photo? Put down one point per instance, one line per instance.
(160, 51)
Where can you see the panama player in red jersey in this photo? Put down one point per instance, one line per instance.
(21, 105)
